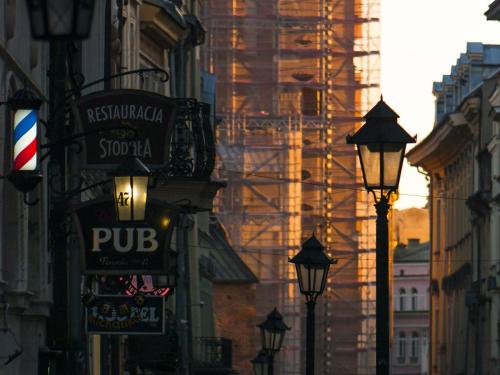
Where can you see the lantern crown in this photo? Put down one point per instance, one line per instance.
(274, 322)
(381, 127)
(312, 253)
(25, 99)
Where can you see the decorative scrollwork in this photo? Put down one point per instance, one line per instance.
(192, 147)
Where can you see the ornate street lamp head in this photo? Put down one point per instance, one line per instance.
(312, 265)
(273, 331)
(381, 144)
(131, 189)
(60, 18)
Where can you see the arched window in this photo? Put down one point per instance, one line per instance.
(415, 347)
(401, 347)
(402, 299)
(414, 299)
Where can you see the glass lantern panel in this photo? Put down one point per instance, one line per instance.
(139, 196)
(393, 153)
(123, 197)
(304, 278)
(60, 17)
(370, 161)
(260, 368)
(84, 18)
(37, 17)
(318, 281)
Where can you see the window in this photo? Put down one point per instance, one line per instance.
(401, 347)
(402, 299)
(415, 349)
(414, 299)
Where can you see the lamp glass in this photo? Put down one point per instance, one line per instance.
(260, 367)
(130, 197)
(393, 158)
(381, 164)
(60, 18)
(272, 339)
(312, 278)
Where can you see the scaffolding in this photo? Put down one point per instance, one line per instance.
(293, 79)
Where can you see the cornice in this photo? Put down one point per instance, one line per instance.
(443, 144)
(161, 25)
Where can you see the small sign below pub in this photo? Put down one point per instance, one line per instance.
(127, 315)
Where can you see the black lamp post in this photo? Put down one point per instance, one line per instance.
(312, 265)
(60, 18)
(381, 144)
(61, 21)
(272, 332)
(260, 363)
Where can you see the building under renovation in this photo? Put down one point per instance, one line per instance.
(293, 78)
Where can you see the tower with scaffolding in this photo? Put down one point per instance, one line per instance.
(293, 79)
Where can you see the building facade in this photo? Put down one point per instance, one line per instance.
(147, 45)
(461, 158)
(292, 79)
(411, 280)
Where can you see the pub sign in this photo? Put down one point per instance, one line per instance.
(125, 315)
(111, 247)
(100, 114)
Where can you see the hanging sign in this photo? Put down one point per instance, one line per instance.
(125, 315)
(101, 115)
(111, 247)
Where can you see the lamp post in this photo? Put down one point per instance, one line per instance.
(59, 22)
(272, 332)
(312, 265)
(381, 144)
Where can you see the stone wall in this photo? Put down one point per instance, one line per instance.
(235, 319)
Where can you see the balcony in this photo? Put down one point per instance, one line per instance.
(212, 355)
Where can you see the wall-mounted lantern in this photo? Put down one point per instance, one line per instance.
(60, 18)
(131, 189)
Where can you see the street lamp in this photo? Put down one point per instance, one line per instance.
(60, 18)
(312, 265)
(381, 144)
(260, 363)
(131, 189)
(272, 332)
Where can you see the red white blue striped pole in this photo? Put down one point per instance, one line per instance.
(25, 174)
(25, 140)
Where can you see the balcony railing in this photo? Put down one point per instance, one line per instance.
(212, 353)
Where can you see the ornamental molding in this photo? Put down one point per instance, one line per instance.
(443, 144)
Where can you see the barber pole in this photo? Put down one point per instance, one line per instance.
(25, 140)
(25, 175)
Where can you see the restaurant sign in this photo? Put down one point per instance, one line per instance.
(125, 315)
(107, 117)
(111, 247)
